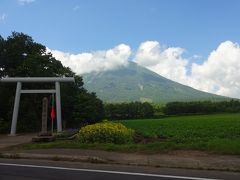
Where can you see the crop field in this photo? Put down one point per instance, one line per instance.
(216, 133)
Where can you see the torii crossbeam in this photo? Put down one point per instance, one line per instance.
(19, 91)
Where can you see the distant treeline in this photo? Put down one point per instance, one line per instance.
(204, 107)
(138, 110)
(133, 110)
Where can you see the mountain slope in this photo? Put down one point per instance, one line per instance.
(136, 83)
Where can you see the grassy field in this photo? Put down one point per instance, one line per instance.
(216, 133)
(213, 133)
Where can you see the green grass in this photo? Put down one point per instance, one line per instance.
(186, 128)
(213, 133)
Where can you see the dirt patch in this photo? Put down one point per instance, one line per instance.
(193, 153)
(140, 139)
(11, 141)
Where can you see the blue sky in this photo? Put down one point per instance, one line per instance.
(152, 33)
(77, 26)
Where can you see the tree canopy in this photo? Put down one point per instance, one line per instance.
(132, 110)
(201, 107)
(20, 56)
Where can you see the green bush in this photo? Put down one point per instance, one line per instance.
(105, 132)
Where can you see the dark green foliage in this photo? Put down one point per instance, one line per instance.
(20, 56)
(205, 107)
(87, 110)
(134, 110)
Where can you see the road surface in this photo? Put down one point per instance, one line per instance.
(18, 169)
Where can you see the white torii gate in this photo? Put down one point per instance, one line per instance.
(19, 90)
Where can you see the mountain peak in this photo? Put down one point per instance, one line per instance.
(136, 83)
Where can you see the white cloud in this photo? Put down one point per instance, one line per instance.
(23, 2)
(196, 56)
(96, 61)
(166, 62)
(3, 17)
(219, 74)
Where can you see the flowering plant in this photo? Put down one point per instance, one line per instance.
(105, 132)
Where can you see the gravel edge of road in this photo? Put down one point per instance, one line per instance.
(97, 160)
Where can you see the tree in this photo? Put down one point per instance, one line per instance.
(20, 56)
(201, 107)
(133, 110)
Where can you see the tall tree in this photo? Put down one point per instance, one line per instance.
(20, 56)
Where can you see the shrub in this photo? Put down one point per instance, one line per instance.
(105, 132)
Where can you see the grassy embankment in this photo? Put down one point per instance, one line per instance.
(213, 133)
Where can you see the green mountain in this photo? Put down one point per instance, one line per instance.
(136, 83)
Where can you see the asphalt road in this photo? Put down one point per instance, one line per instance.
(18, 169)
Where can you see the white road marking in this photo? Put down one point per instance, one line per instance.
(104, 171)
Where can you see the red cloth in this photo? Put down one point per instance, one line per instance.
(53, 113)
